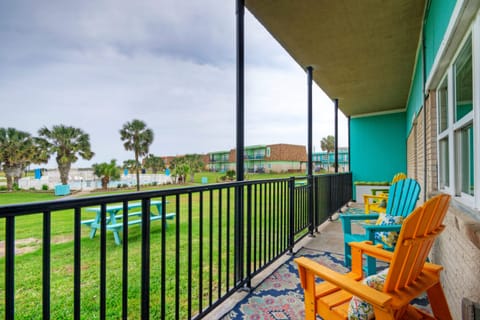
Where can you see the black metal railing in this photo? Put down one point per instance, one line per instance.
(221, 236)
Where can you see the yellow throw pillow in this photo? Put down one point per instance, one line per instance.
(388, 237)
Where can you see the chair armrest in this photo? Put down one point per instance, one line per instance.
(366, 247)
(378, 227)
(374, 191)
(346, 220)
(367, 197)
(309, 268)
(370, 216)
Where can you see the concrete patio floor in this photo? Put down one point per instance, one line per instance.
(329, 237)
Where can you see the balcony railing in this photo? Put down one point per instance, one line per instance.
(222, 236)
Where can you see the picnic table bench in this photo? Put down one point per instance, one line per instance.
(113, 216)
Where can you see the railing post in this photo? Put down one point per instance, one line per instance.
(315, 203)
(249, 235)
(238, 237)
(291, 211)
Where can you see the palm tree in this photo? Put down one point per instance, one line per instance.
(328, 144)
(155, 163)
(106, 172)
(17, 150)
(195, 163)
(136, 137)
(67, 143)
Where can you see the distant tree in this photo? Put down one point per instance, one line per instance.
(181, 171)
(106, 172)
(155, 163)
(195, 163)
(130, 165)
(67, 143)
(328, 144)
(180, 168)
(137, 138)
(18, 149)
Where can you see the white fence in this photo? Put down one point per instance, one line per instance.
(85, 180)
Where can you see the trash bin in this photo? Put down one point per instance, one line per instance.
(204, 180)
(62, 189)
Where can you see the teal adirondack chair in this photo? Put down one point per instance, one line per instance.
(403, 196)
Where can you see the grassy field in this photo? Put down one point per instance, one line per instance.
(27, 265)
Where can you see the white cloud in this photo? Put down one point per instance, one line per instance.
(170, 63)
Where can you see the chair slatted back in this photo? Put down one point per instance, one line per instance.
(399, 176)
(402, 198)
(416, 238)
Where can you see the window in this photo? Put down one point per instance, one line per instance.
(463, 82)
(444, 177)
(465, 160)
(456, 127)
(443, 106)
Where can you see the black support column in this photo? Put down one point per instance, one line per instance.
(240, 8)
(311, 226)
(349, 146)
(336, 135)
(240, 126)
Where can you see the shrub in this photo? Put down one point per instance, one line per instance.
(44, 187)
(230, 174)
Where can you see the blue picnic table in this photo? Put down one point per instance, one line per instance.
(113, 215)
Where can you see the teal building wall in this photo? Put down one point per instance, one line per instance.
(436, 23)
(378, 147)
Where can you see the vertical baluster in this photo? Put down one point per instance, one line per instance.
(177, 256)
(46, 263)
(103, 260)
(145, 286)
(77, 237)
(125, 261)
(163, 255)
(189, 255)
(200, 253)
(10, 267)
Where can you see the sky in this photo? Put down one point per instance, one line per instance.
(98, 64)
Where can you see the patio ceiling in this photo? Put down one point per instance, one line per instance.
(362, 52)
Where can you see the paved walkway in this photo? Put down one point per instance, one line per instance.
(328, 238)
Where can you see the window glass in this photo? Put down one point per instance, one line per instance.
(463, 82)
(444, 164)
(443, 106)
(466, 160)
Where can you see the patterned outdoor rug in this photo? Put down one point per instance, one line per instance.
(280, 296)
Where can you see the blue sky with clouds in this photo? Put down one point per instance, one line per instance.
(171, 63)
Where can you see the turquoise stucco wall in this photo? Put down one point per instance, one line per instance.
(378, 147)
(436, 22)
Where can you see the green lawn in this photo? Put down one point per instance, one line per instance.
(28, 266)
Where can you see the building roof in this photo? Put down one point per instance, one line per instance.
(362, 52)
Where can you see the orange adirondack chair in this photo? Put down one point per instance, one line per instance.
(408, 275)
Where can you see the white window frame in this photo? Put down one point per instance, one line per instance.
(454, 126)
